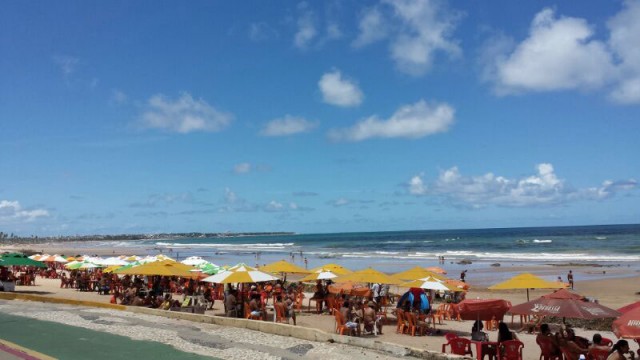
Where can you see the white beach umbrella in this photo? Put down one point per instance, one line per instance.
(427, 283)
(111, 261)
(194, 261)
(320, 274)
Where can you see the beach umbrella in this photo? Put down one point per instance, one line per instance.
(240, 274)
(627, 326)
(526, 281)
(417, 273)
(437, 270)
(566, 304)
(17, 259)
(368, 275)
(427, 283)
(625, 309)
(334, 268)
(476, 309)
(159, 268)
(111, 269)
(349, 288)
(133, 258)
(457, 285)
(88, 265)
(283, 267)
(208, 268)
(53, 258)
(320, 274)
(111, 261)
(72, 265)
(194, 261)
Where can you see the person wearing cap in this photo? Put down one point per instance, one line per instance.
(369, 318)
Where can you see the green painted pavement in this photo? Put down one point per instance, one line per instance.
(70, 342)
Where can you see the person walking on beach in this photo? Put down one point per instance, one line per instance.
(570, 279)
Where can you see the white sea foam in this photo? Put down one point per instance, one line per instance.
(229, 247)
(542, 241)
(398, 242)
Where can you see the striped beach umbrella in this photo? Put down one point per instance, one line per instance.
(240, 274)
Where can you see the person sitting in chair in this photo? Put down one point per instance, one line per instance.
(347, 315)
(370, 318)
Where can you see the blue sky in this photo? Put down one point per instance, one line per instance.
(146, 116)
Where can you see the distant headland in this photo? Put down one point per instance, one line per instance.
(14, 239)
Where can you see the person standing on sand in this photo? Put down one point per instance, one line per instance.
(463, 275)
(570, 279)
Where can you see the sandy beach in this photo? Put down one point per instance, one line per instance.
(616, 289)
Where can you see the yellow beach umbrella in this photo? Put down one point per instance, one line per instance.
(368, 275)
(526, 281)
(334, 268)
(437, 270)
(111, 269)
(283, 267)
(161, 268)
(417, 273)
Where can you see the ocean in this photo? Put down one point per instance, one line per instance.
(611, 247)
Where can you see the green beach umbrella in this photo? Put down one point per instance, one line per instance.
(16, 259)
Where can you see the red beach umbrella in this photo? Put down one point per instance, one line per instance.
(566, 304)
(472, 309)
(564, 294)
(625, 309)
(628, 325)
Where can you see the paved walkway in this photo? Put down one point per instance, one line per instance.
(70, 342)
(71, 332)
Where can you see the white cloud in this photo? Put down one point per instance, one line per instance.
(416, 186)
(261, 31)
(409, 121)
(66, 64)
(418, 30)
(12, 211)
(183, 115)
(340, 202)
(372, 26)
(338, 91)
(314, 29)
(230, 197)
(542, 188)
(242, 168)
(333, 31)
(306, 28)
(558, 54)
(288, 125)
(118, 97)
(624, 34)
(561, 53)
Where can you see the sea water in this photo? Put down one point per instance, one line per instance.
(608, 246)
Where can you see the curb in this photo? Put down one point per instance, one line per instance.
(48, 299)
(22, 352)
(268, 327)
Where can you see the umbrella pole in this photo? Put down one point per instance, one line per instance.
(527, 294)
